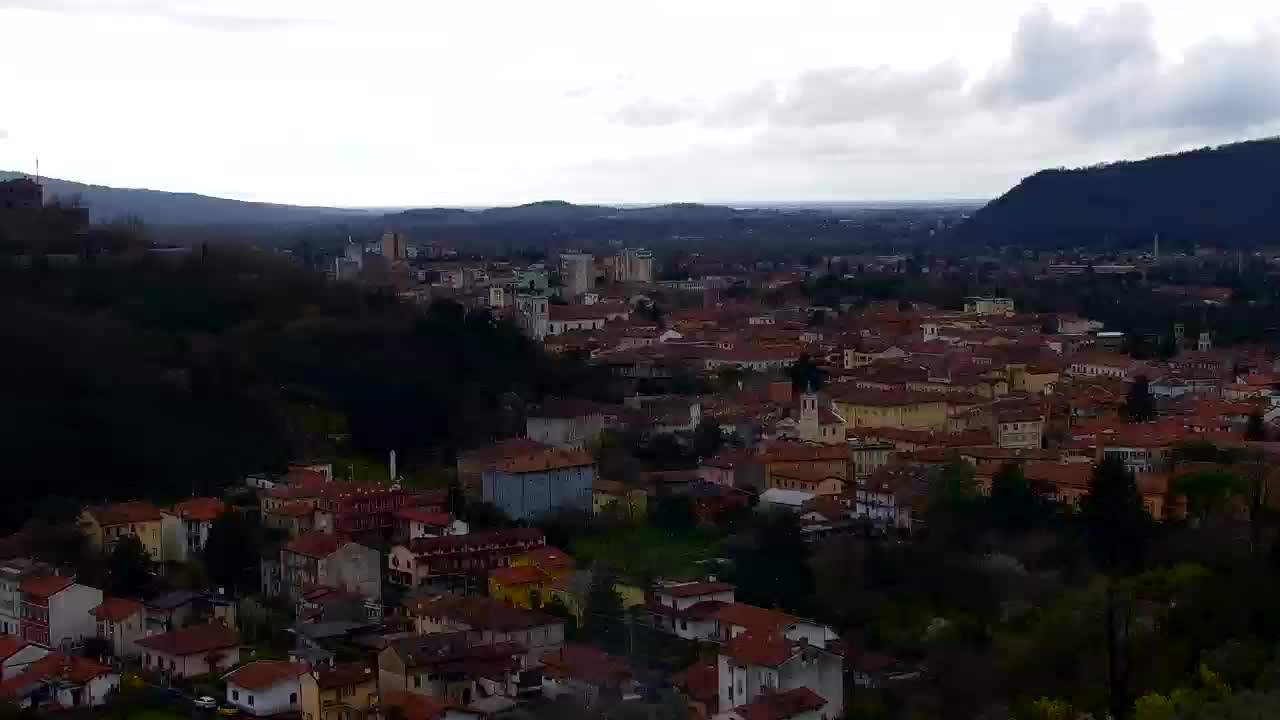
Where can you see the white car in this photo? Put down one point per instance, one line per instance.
(204, 702)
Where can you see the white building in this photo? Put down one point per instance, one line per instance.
(12, 573)
(688, 609)
(532, 315)
(765, 653)
(577, 272)
(56, 610)
(635, 265)
(265, 687)
(185, 527)
(988, 305)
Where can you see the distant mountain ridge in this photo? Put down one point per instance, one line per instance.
(168, 208)
(1225, 195)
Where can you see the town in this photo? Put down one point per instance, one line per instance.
(757, 492)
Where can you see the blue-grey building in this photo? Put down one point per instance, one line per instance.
(532, 485)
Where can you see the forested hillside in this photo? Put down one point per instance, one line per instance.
(155, 380)
(1224, 196)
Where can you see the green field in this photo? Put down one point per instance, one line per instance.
(646, 552)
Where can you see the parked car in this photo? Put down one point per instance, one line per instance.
(204, 702)
(229, 711)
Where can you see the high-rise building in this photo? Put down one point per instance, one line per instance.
(395, 246)
(533, 314)
(577, 272)
(635, 265)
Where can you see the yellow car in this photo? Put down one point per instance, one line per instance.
(229, 711)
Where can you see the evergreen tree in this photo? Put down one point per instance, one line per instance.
(1256, 430)
(806, 375)
(1014, 506)
(771, 566)
(602, 614)
(232, 552)
(129, 568)
(1139, 406)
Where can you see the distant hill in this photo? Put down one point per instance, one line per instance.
(1226, 195)
(167, 208)
(561, 212)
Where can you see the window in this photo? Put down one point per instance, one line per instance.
(417, 681)
(293, 700)
(250, 701)
(235, 695)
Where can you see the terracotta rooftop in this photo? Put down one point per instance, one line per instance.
(46, 585)
(761, 647)
(54, 667)
(344, 675)
(587, 664)
(424, 516)
(700, 682)
(513, 447)
(544, 460)
(192, 640)
(263, 674)
(10, 644)
(517, 575)
(694, 589)
(781, 706)
(315, 544)
(206, 509)
(116, 609)
(125, 513)
(478, 541)
(481, 613)
(415, 706)
(752, 617)
(548, 557)
(299, 508)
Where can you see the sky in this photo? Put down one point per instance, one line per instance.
(437, 102)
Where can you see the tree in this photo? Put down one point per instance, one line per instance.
(558, 609)
(955, 506)
(232, 552)
(805, 374)
(1208, 491)
(707, 438)
(483, 515)
(674, 513)
(1139, 406)
(128, 568)
(771, 565)
(1256, 429)
(1117, 528)
(602, 613)
(1014, 506)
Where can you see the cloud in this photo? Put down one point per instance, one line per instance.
(650, 112)
(184, 12)
(1050, 58)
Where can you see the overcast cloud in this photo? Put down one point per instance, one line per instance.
(397, 102)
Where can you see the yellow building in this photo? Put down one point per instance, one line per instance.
(632, 503)
(898, 409)
(1039, 379)
(344, 692)
(803, 460)
(108, 524)
(528, 582)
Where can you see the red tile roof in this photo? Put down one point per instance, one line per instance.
(116, 609)
(263, 674)
(10, 645)
(423, 515)
(781, 706)
(544, 460)
(694, 589)
(481, 613)
(300, 508)
(415, 706)
(344, 675)
(752, 617)
(518, 575)
(200, 509)
(192, 640)
(45, 586)
(54, 667)
(480, 540)
(125, 513)
(315, 544)
(548, 557)
(587, 664)
(765, 647)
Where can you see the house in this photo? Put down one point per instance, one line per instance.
(16, 654)
(190, 651)
(731, 468)
(180, 608)
(61, 681)
(488, 621)
(265, 687)
(121, 622)
(587, 675)
(901, 409)
(327, 559)
(295, 518)
(186, 527)
(473, 463)
(55, 610)
(415, 706)
(798, 703)
(108, 524)
(612, 496)
(529, 581)
(795, 459)
(449, 667)
(1106, 365)
(1018, 427)
(791, 500)
(12, 573)
(567, 318)
(348, 691)
(458, 561)
(687, 609)
(416, 522)
(568, 423)
(532, 485)
(818, 423)
(758, 667)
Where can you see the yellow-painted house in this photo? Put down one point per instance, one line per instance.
(529, 581)
(899, 409)
(106, 525)
(346, 691)
(798, 459)
(633, 503)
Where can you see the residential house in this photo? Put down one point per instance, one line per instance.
(12, 573)
(473, 463)
(191, 651)
(16, 654)
(458, 561)
(589, 676)
(60, 681)
(347, 691)
(529, 580)
(180, 608)
(784, 459)
(108, 524)
(416, 522)
(264, 688)
(758, 666)
(295, 518)
(798, 703)
(121, 622)
(867, 456)
(612, 496)
(900, 409)
(186, 527)
(568, 423)
(687, 609)
(732, 468)
(1106, 365)
(532, 485)
(567, 318)
(1018, 427)
(488, 621)
(55, 610)
(414, 706)
(449, 667)
(327, 559)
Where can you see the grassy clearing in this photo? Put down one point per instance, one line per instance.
(647, 552)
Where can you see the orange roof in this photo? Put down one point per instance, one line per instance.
(764, 647)
(69, 668)
(549, 557)
(546, 460)
(315, 544)
(415, 706)
(192, 640)
(752, 617)
(10, 645)
(885, 398)
(46, 586)
(422, 515)
(781, 706)
(263, 674)
(787, 451)
(518, 575)
(587, 664)
(116, 609)
(200, 509)
(125, 513)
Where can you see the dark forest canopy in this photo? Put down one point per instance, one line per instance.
(1224, 196)
(162, 379)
